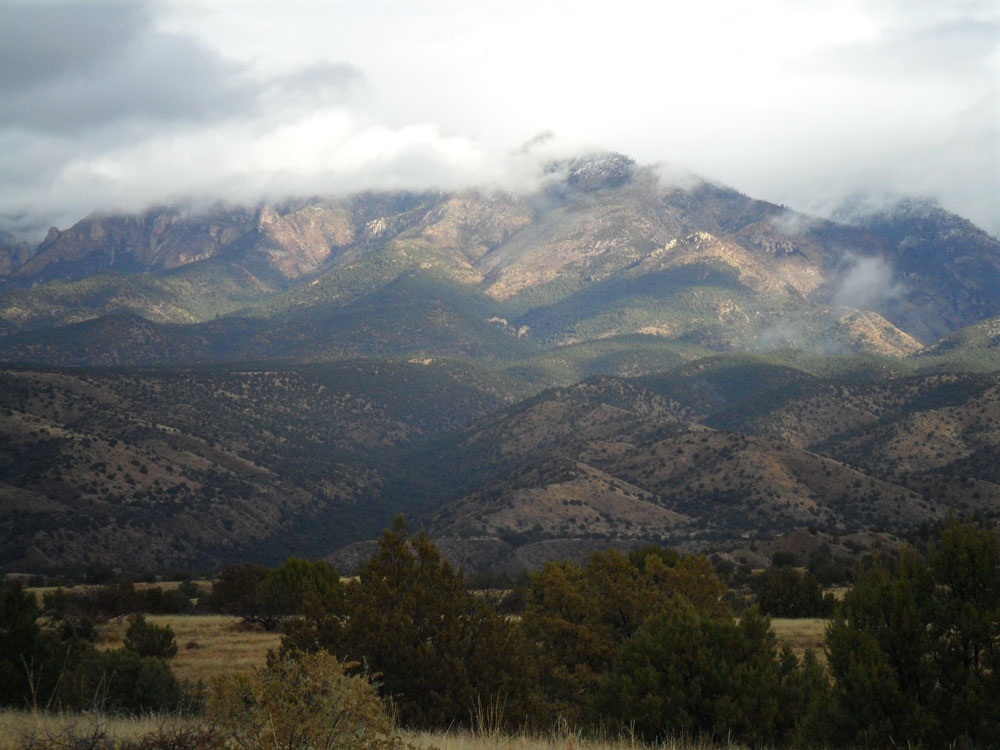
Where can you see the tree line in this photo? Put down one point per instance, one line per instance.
(645, 641)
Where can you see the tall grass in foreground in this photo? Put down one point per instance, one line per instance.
(557, 740)
(94, 731)
(20, 729)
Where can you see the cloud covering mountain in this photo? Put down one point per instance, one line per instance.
(114, 106)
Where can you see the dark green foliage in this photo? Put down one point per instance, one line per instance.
(915, 651)
(266, 597)
(146, 639)
(685, 674)
(190, 589)
(828, 569)
(783, 559)
(578, 616)
(436, 650)
(19, 635)
(58, 668)
(237, 590)
(120, 681)
(787, 592)
(296, 586)
(114, 600)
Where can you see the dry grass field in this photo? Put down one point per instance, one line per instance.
(555, 741)
(800, 634)
(207, 645)
(17, 726)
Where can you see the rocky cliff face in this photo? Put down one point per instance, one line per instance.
(157, 239)
(605, 248)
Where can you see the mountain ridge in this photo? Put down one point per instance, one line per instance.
(618, 253)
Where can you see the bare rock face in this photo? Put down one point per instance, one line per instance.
(157, 239)
(301, 241)
(474, 223)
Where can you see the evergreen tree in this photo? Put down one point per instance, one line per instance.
(685, 674)
(787, 592)
(577, 617)
(915, 651)
(436, 650)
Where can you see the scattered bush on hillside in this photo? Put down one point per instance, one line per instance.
(301, 703)
(784, 559)
(436, 649)
(915, 650)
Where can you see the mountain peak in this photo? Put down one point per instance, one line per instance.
(599, 170)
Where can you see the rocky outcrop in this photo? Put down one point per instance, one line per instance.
(301, 241)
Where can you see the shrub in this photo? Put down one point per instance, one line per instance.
(146, 639)
(306, 702)
(236, 592)
(784, 558)
(828, 569)
(190, 590)
(113, 600)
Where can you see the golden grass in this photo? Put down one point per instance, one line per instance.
(207, 645)
(560, 740)
(16, 726)
(801, 633)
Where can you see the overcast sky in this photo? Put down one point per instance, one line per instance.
(113, 106)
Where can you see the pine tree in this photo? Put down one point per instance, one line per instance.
(915, 651)
(436, 650)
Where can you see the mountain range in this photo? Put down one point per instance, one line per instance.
(609, 356)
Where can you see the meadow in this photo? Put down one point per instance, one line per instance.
(207, 645)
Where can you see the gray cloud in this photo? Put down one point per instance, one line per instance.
(942, 49)
(110, 106)
(867, 284)
(40, 42)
